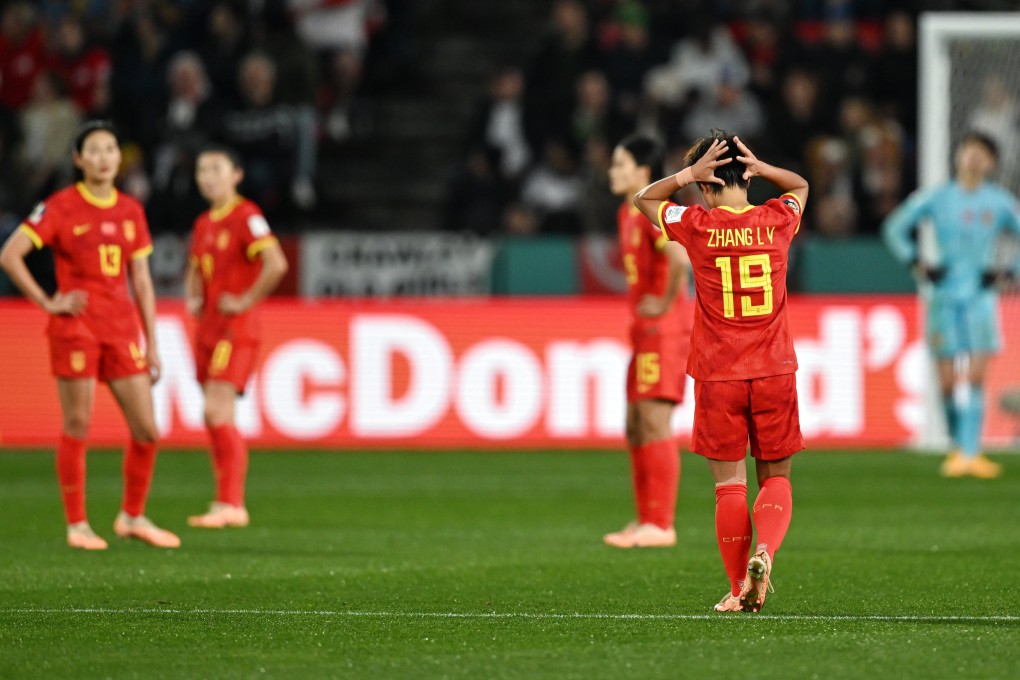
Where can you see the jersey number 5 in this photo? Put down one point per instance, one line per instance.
(747, 282)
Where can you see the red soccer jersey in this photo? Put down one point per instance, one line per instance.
(93, 240)
(647, 270)
(20, 63)
(739, 258)
(225, 245)
(82, 74)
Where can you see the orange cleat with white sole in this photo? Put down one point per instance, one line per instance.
(982, 468)
(144, 530)
(81, 536)
(636, 535)
(758, 582)
(729, 603)
(955, 465)
(220, 516)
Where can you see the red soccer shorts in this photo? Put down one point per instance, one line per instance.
(82, 355)
(226, 361)
(657, 367)
(729, 413)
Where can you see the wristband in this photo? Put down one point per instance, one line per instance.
(685, 177)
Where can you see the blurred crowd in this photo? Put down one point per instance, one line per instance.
(273, 78)
(827, 88)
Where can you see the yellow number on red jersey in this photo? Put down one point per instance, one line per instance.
(747, 281)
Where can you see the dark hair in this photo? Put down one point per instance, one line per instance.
(732, 173)
(230, 152)
(646, 152)
(982, 139)
(90, 126)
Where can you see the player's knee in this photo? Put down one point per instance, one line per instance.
(216, 415)
(76, 425)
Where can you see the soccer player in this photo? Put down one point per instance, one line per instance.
(967, 215)
(100, 241)
(235, 262)
(742, 358)
(655, 270)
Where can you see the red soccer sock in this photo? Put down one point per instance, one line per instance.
(772, 511)
(71, 475)
(139, 462)
(662, 477)
(231, 456)
(638, 474)
(733, 531)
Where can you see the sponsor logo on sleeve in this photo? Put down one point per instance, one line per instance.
(37, 213)
(674, 213)
(258, 226)
(792, 204)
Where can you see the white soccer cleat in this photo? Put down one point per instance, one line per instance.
(636, 535)
(144, 530)
(81, 536)
(220, 516)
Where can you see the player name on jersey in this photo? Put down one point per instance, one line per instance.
(746, 236)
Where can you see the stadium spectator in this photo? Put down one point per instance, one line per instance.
(595, 115)
(598, 209)
(225, 43)
(84, 68)
(742, 357)
(49, 123)
(138, 81)
(100, 241)
(500, 123)
(22, 55)
(895, 71)
(566, 53)
(337, 101)
(235, 262)
(627, 55)
(656, 273)
(730, 107)
(967, 215)
(553, 189)
(476, 194)
(795, 117)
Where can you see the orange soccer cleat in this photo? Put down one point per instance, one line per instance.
(758, 582)
(220, 515)
(636, 535)
(81, 536)
(144, 530)
(729, 603)
(982, 468)
(955, 465)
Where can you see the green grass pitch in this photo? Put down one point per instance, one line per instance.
(490, 565)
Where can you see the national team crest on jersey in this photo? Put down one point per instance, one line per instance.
(129, 230)
(223, 239)
(792, 204)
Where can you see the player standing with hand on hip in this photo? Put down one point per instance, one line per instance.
(235, 262)
(967, 216)
(656, 280)
(742, 357)
(100, 241)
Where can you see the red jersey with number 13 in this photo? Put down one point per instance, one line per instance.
(739, 260)
(225, 245)
(93, 242)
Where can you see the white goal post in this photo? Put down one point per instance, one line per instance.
(959, 53)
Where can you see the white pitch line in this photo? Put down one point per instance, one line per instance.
(1005, 618)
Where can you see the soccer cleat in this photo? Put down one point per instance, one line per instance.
(220, 515)
(144, 530)
(758, 582)
(636, 535)
(729, 603)
(81, 536)
(982, 468)
(955, 465)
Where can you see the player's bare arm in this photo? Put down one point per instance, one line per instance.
(193, 301)
(657, 305)
(12, 259)
(648, 199)
(274, 266)
(788, 182)
(145, 299)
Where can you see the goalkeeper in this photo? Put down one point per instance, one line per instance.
(967, 215)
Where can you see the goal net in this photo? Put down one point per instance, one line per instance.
(970, 80)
